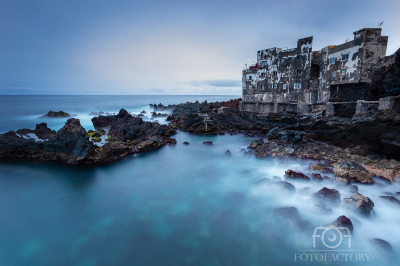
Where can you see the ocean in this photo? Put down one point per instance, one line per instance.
(178, 205)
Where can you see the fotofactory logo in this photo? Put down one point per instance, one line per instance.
(331, 243)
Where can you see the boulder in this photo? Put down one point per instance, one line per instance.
(343, 221)
(321, 207)
(320, 167)
(316, 177)
(391, 200)
(381, 244)
(71, 144)
(295, 175)
(293, 136)
(330, 196)
(274, 133)
(255, 143)
(359, 203)
(186, 143)
(352, 171)
(208, 142)
(354, 188)
(286, 187)
(342, 181)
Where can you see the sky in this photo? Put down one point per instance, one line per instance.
(131, 47)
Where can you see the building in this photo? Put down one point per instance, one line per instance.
(284, 79)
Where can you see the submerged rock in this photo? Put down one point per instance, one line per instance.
(286, 187)
(381, 244)
(343, 221)
(391, 200)
(331, 196)
(322, 208)
(295, 175)
(358, 203)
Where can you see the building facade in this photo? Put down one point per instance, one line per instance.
(282, 79)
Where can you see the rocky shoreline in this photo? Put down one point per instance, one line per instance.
(74, 146)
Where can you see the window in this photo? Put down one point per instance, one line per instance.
(333, 74)
(275, 73)
(282, 60)
(345, 57)
(300, 57)
(343, 72)
(298, 71)
(275, 86)
(262, 53)
(264, 63)
(332, 61)
(297, 85)
(250, 77)
(290, 58)
(262, 87)
(284, 86)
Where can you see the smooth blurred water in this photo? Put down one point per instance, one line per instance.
(179, 205)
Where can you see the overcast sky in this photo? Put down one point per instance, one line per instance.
(165, 47)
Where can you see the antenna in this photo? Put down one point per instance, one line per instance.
(347, 39)
(380, 24)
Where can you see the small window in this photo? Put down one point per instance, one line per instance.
(333, 74)
(297, 85)
(275, 73)
(263, 75)
(343, 72)
(275, 86)
(264, 63)
(345, 57)
(262, 87)
(332, 61)
(298, 71)
(282, 60)
(290, 58)
(300, 57)
(284, 86)
(250, 77)
(262, 53)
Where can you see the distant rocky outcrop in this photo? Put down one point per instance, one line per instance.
(59, 114)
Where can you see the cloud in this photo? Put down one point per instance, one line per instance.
(216, 83)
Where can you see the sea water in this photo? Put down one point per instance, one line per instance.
(179, 205)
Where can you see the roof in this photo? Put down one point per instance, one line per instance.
(380, 29)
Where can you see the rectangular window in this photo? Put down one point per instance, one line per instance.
(262, 87)
(250, 77)
(284, 86)
(297, 85)
(275, 73)
(343, 72)
(264, 63)
(282, 60)
(300, 57)
(275, 86)
(332, 61)
(345, 57)
(333, 74)
(290, 58)
(262, 53)
(298, 71)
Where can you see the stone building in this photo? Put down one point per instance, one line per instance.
(286, 79)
